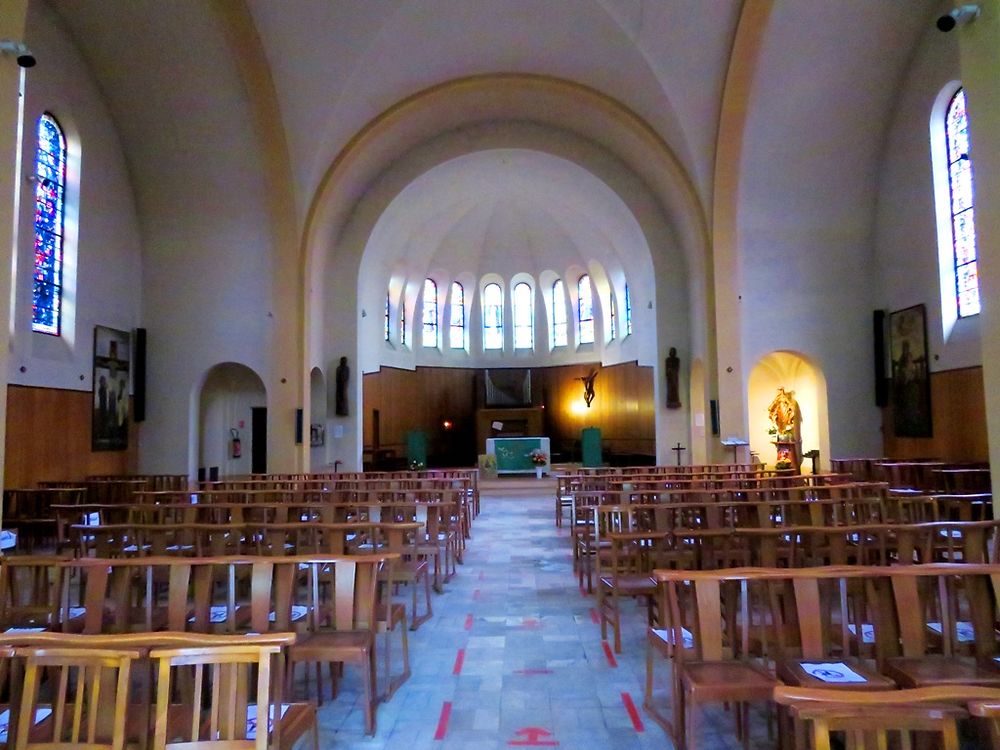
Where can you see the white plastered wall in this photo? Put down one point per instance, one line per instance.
(102, 243)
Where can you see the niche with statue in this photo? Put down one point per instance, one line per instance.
(785, 431)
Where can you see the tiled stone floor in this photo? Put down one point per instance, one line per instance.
(513, 655)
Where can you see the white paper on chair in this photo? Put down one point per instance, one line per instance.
(668, 637)
(966, 633)
(24, 630)
(867, 632)
(41, 714)
(252, 719)
(832, 672)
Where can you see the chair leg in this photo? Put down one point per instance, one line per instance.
(366, 677)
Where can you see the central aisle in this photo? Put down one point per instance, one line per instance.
(513, 655)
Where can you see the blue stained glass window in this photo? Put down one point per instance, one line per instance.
(386, 319)
(962, 191)
(456, 328)
(524, 319)
(492, 317)
(50, 199)
(430, 319)
(585, 309)
(558, 314)
(628, 312)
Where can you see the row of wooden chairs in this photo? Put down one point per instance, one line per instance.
(337, 604)
(145, 689)
(734, 635)
(624, 566)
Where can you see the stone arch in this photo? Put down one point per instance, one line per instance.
(221, 401)
(503, 111)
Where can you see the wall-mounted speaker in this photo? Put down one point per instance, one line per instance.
(881, 380)
(713, 408)
(139, 376)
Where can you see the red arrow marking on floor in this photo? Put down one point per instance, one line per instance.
(533, 737)
(442, 727)
(468, 622)
(459, 660)
(612, 662)
(532, 671)
(633, 714)
(594, 617)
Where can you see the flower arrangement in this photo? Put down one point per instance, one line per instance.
(538, 457)
(784, 459)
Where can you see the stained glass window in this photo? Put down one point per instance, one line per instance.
(456, 328)
(50, 196)
(962, 194)
(585, 309)
(402, 321)
(524, 318)
(558, 314)
(628, 312)
(430, 320)
(387, 320)
(492, 317)
(613, 321)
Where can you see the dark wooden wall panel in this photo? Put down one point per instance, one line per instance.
(958, 409)
(48, 438)
(424, 398)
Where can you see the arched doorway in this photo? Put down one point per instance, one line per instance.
(232, 405)
(796, 373)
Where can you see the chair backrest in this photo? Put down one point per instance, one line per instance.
(219, 706)
(868, 717)
(78, 710)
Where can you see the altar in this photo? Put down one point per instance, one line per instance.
(513, 454)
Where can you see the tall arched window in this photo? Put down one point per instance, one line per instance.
(585, 309)
(402, 321)
(386, 320)
(456, 327)
(524, 317)
(558, 314)
(628, 312)
(430, 316)
(492, 317)
(612, 318)
(962, 196)
(50, 199)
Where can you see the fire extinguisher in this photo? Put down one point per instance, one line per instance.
(235, 447)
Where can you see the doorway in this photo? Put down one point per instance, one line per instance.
(258, 440)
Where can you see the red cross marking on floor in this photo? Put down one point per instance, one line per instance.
(533, 737)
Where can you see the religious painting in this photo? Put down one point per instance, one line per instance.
(109, 422)
(911, 380)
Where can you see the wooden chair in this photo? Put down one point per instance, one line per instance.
(867, 718)
(716, 619)
(226, 712)
(79, 716)
(628, 573)
(30, 588)
(341, 624)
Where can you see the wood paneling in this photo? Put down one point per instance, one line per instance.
(424, 398)
(48, 438)
(958, 410)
